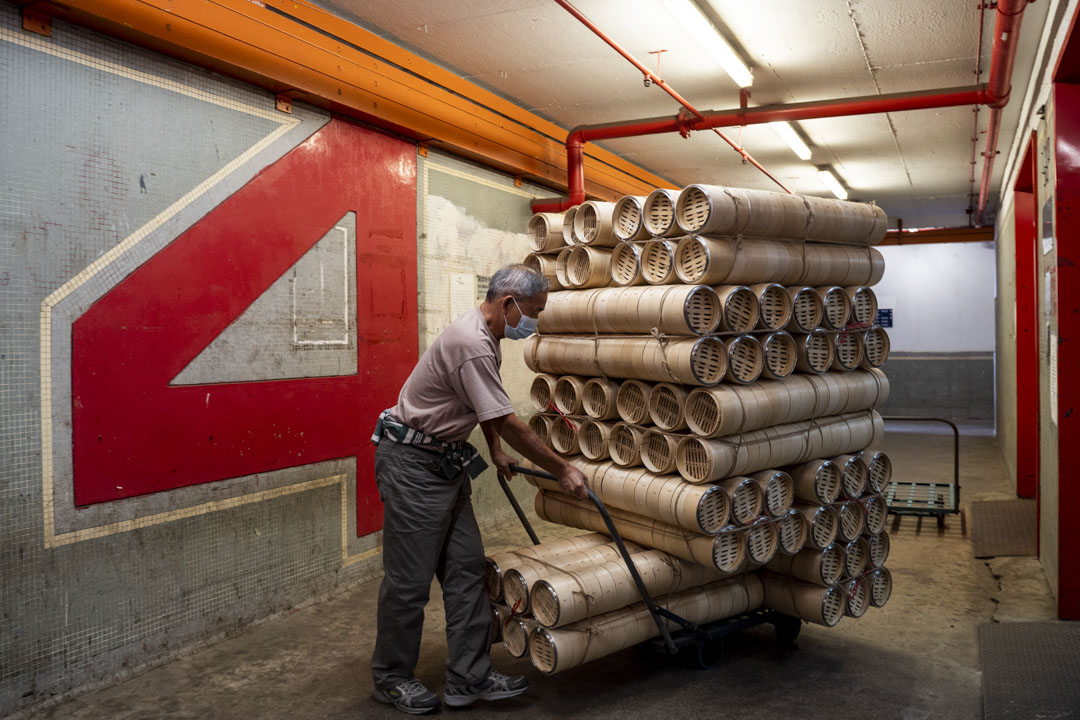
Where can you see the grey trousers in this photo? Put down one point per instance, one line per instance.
(428, 530)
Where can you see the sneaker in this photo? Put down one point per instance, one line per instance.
(409, 697)
(495, 686)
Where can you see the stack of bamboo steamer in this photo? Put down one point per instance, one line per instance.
(708, 359)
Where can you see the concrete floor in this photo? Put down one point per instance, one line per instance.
(916, 658)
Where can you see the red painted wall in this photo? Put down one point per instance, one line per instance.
(1027, 347)
(133, 434)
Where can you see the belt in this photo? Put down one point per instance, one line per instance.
(454, 457)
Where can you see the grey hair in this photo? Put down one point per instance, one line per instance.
(519, 281)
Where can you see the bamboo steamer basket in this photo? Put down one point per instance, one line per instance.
(540, 424)
(815, 352)
(701, 508)
(781, 355)
(593, 224)
(837, 307)
(672, 310)
(628, 219)
(659, 213)
(725, 551)
(877, 549)
(849, 350)
(594, 439)
(745, 359)
(741, 308)
(565, 598)
(706, 460)
(546, 266)
(568, 393)
(775, 305)
(561, 275)
(879, 469)
(688, 361)
(817, 482)
(546, 232)
(632, 402)
(806, 309)
(588, 267)
(855, 557)
(569, 236)
(746, 497)
(880, 586)
(553, 650)
(852, 475)
(516, 630)
(835, 265)
(858, 596)
(729, 409)
(564, 434)
(542, 390)
(821, 567)
(658, 451)
(762, 541)
(496, 565)
(852, 520)
(812, 603)
(498, 612)
(876, 346)
(518, 580)
(876, 511)
(658, 262)
(823, 522)
(778, 490)
(864, 305)
(794, 531)
(624, 444)
(667, 406)
(717, 210)
(626, 264)
(598, 399)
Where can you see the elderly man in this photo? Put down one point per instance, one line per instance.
(423, 468)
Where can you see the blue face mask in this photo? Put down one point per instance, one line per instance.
(525, 327)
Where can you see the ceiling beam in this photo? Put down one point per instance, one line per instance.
(938, 235)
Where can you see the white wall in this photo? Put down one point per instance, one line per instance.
(942, 296)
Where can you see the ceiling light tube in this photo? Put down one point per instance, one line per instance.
(832, 183)
(788, 135)
(697, 24)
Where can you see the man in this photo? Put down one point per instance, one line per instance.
(423, 468)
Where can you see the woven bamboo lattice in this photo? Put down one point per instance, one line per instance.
(812, 603)
(849, 350)
(594, 437)
(781, 355)
(742, 310)
(716, 210)
(546, 265)
(667, 406)
(823, 521)
(658, 262)
(540, 424)
(762, 541)
(592, 224)
(588, 267)
(875, 342)
(555, 650)
(815, 352)
(794, 531)
(775, 304)
(659, 213)
(632, 402)
(563, 436)
(879, 469)
(569, 236)
(516, 630)
(690, 361)
(852, 520)
(858, 596)
(705, 460)
(817, 481)
(598, 399)
(562, 278)
(820, 567)
(877, 549)
(567, 397)
(880, 586)
(864, 305)
(546, 232)
(855, 557)
(852, 475)
(658, 451)
(624, 444)
(518, 580)
(747, 499)
(626, 264)
(542, 390)
(876, 512)
(837, 307)
(806, 309)
(745, 359)
(628, 219)
(672, 309)
(778, 490)
(496, 565)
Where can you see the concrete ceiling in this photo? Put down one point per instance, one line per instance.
(916, 165)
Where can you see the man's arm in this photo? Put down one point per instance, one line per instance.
(501, 460)
(526, 442)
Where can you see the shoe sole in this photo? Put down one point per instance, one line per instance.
(406, 710)
(464, 700)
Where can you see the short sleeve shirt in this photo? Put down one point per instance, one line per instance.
(456, 384)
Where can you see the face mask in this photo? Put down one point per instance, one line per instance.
(525, 327)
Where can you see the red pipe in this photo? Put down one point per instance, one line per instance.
(1006, 39)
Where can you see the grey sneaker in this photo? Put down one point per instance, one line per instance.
(409, 697)
(495, 686)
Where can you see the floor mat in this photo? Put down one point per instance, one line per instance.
(1030, 670)
(1003, 527)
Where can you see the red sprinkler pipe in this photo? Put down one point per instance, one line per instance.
(1006, 39)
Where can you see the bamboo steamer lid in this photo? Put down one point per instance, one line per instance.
(658, 451)
(624, 443)
(626, 264)
(593, 224)
(741, 309)
(746, 359)
(516, 631)
(837, 306)
(598, 399)
(853, 475)
(632, 402)
(817, 481)
(775, 304)
(762, 541)
(589, 267)
(540, 424)
(667, 406)
(815, 352)
(879, 469)
(568, 394)
(593, 439)
(823, 521)
(812, 603)
(778, 490)
(546, 266)
(658, 262)
(561, 274)
(858, 596)
(519, 580)
(864, 305)
(852, 520)
(876, 510)
(546, 232)
(855, 557)
(628, 218)
(542, 389)
(497, 614)
(495, 565)
(746, 499)
(569, 236)
(659, 213)
(729, 550)
(880, 587)
(877, 549)
(849, 350)
(876, 345)
(564, 434)
(806, 309)
(820, 567)
(793, 530)
(781, 355)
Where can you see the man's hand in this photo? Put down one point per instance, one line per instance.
(502, 463)
(574, 482)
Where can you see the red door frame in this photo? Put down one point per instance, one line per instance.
(1027, 323)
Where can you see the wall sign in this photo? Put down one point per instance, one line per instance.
(884, 317)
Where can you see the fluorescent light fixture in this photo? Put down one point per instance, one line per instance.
(832, 183)
(788, 135)
(690, 17)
